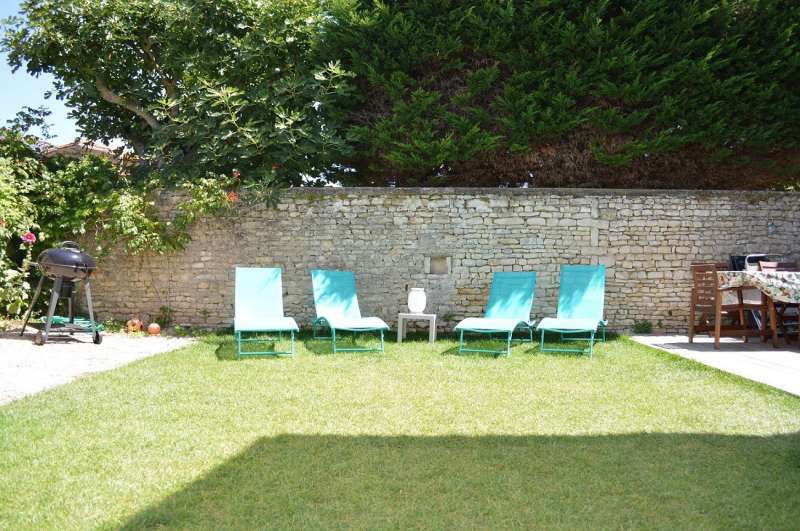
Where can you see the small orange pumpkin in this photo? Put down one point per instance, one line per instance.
(153, 329)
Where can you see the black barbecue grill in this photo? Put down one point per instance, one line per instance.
(65, 265)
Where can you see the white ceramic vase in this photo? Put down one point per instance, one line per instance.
(417, 300)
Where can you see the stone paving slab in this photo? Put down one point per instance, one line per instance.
(26, 369)
(754, 360)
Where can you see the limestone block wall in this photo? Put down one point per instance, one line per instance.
(449, 241)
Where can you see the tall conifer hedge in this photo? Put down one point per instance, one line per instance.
(646, 93)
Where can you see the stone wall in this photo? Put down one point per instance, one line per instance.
(449, 241)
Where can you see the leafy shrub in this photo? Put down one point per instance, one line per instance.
(181, 331)
(642, 327)
(15, 288)
(16, 217)
(89, 200)
(114, 326)
(165, 317)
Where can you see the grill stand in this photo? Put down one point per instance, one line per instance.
(30, 308)
(55, 295)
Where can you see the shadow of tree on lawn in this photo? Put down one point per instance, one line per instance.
(617, 481)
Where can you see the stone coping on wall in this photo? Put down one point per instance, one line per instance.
(580, 192)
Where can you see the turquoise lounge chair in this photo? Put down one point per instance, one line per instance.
(509, 309)
(336, 303)
(259, 308)
(581, 295)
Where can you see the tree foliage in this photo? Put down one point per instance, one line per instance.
(651, 93)
(637, 93)
(197, 87)
(53, 199)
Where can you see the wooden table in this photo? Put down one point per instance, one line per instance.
(780, 286)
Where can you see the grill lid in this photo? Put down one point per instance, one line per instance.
(67, 261)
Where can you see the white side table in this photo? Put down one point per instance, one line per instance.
(403, 317)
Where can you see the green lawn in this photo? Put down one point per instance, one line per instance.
(418, 437)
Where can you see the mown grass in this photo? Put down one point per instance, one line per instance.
(418, 437)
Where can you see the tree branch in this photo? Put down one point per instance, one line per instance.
(170, 85)
(133, 106)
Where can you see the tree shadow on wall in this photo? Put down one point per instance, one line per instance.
(617, 481)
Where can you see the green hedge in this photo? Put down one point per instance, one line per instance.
(653, 93)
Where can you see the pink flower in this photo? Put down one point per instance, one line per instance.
(2, 222)
(236, 174)
(232, 197)
(29, 238)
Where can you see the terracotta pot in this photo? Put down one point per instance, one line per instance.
(134, 325)
(153, 329)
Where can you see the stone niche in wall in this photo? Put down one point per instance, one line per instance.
(438, 265)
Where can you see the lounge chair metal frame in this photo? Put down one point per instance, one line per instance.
(320, 323)
(510, 298)
(508, 341)
(588, 283)
(591, 338)
(241, 338)
(340, 302)
(259, 290)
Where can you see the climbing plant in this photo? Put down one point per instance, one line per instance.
(45, 200)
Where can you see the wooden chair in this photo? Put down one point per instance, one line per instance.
(786, 322)
(708, 308)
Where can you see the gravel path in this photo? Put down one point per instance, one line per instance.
(26, 369)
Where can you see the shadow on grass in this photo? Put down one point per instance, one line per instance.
(226, 349)
(577, 348)
(617, 481)
(324, 347)
(486, 342)
(226, 345)
(484, 345)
